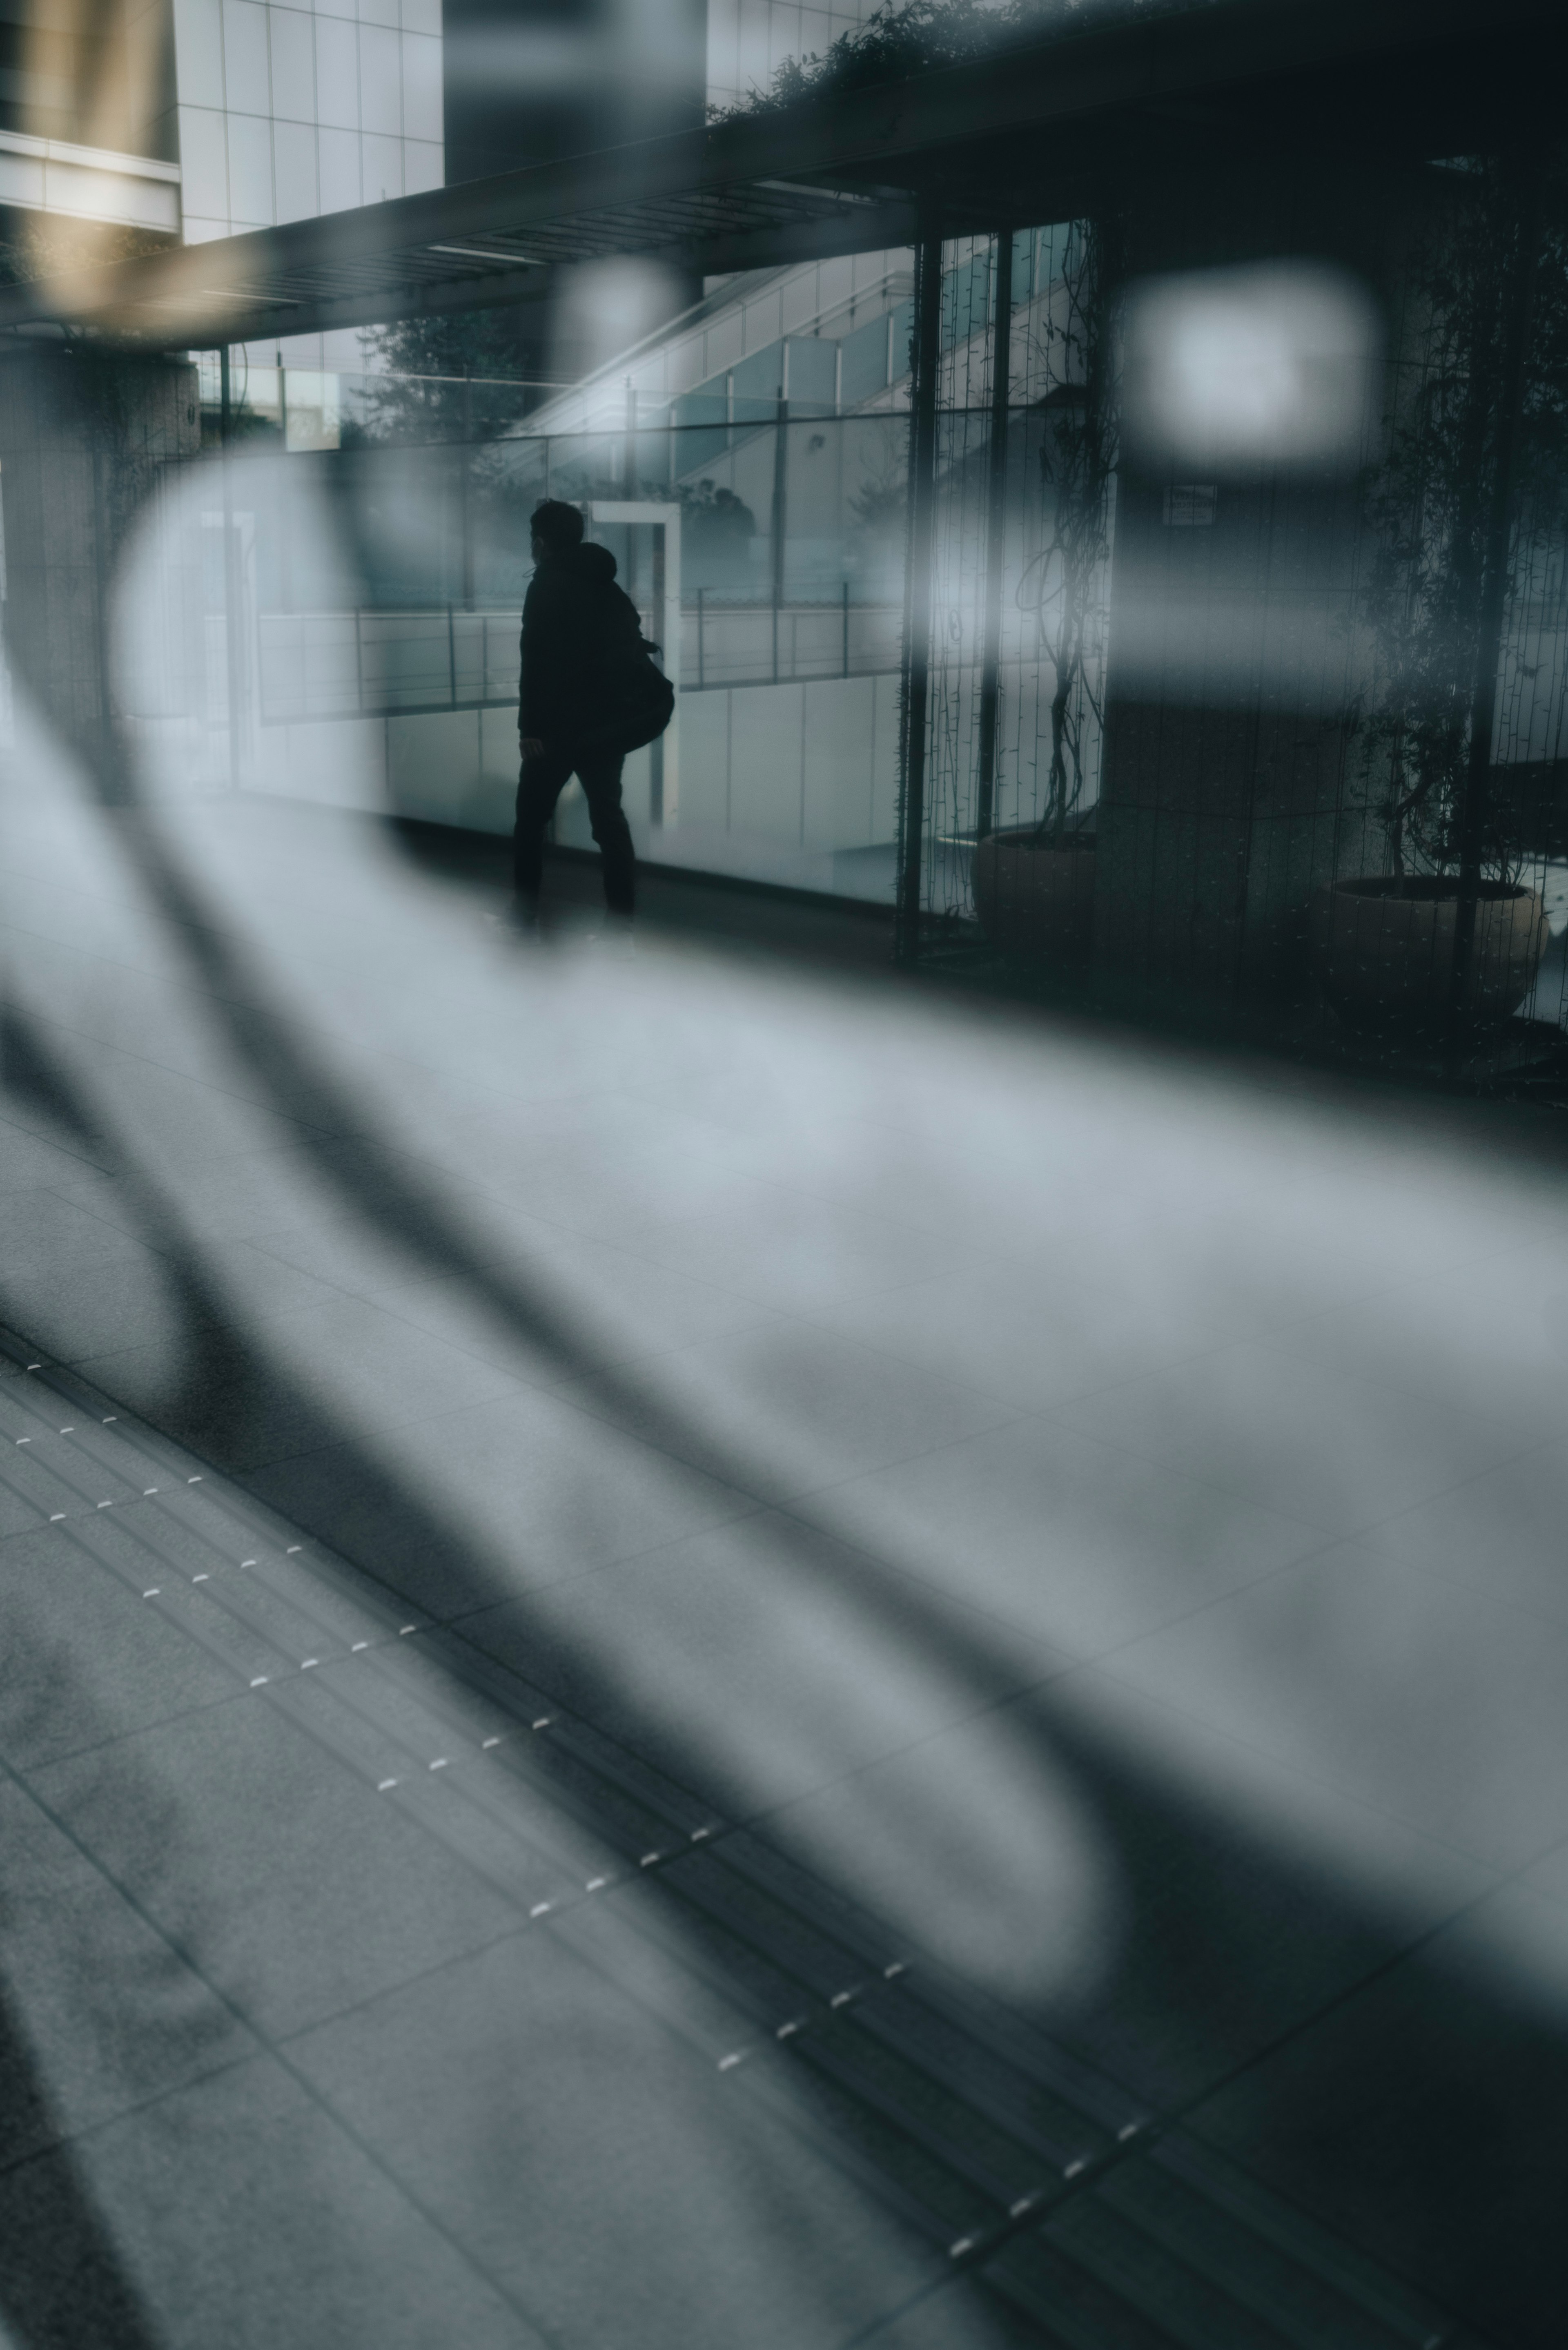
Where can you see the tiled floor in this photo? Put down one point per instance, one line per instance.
(718, 1652)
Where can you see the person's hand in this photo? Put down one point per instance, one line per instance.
(531, 746)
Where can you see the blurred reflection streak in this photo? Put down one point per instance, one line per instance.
(1028, 1771)
(61, 2279)
(72, 1981)
(421, 1227)
(891, 1613)
(60, 2276)
(236, 1361)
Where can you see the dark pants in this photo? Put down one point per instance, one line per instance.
(539, 786)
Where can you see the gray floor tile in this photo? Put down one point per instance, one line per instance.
(357, 1357)
(600, 1193)
(1338, 1452)
(27, 1159)
(296, 1381)
(249, 1285)
(97, 2014)
(1155, 1899)
(1211, 1856)
(1062, 1538)
(789, 1251)
(1548, 1876)
(292, 1885)
(759, 1659)
(967, 2316)
(178, 1120)
(631, 2195)
(97, 1304)
(51, 1466)
(38, 1229)
(1030, 1334)
(212, 1389)
(786, 1407)
(88, 1660)
(367, 1258)
(233, 1183)
(204, 1538)
(606, 1304)
(1414, 1695)
(475, 1506)
(1501, 1532)
(1489, 1340)
(1423, 2119)
(235, 2212)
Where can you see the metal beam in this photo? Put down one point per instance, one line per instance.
(995, 532)
(775, 187)
(918, 563)
(1475, 798)
(873, 231)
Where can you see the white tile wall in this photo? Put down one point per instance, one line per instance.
(380, 82)
(337, 154)
(381, 168)
(424, 166)
(204, 164)
(421, 89)
(337, 73)
(198, 45)
(247, 81)
(250, 171)
(288, 110)
(295, 180)
(293, 35)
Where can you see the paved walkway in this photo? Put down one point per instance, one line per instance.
(707, 1653)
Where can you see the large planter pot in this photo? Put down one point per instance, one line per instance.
(1036, 897)
(1385, 950)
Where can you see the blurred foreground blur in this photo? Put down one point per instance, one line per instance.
(705, 1651)
(852, 1632)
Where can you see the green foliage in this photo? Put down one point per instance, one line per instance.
(50, 245)
(435, 367)
(714, 522)
(920, 35)
(1066, 586)
(1429, 501)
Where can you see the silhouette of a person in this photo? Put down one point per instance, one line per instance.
(578, 629)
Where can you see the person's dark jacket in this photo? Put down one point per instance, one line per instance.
(580, 632)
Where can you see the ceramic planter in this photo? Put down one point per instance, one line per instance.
(1036, 897)
(1384, 950)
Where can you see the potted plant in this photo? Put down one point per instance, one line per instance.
(1034, 883)
(1468, 493)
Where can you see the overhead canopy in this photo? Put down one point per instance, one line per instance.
(1035, 132)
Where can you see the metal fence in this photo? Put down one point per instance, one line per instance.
(379, 664)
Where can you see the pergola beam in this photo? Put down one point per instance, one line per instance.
(986, 140)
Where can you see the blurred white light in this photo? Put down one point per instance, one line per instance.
(1229, 368)
(604, 308)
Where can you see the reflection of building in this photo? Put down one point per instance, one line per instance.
(773, 416)
(86, 128)
(131, 122)
(264, 112)
(197, 119)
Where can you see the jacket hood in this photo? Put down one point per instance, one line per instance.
(595, 563)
